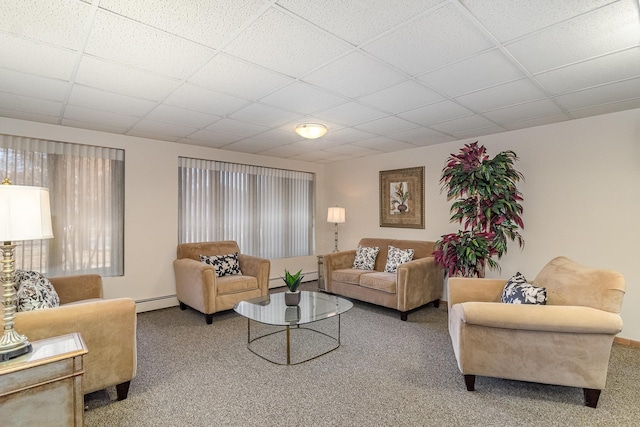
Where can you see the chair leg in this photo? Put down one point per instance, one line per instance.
(122, 390)
(436, 303)
(183, 306)
(591, 397)
(209, 318)
(470, 382)
(403, 316)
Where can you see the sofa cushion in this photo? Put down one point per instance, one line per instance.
(35, 291)
(235, 283)
(397, 256)
(366, 257)
(348, 275)
(223, 265)
(518, 291)
(385, 282)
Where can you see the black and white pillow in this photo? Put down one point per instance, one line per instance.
(397, 256)
(34, 291)
(518, 291)
(366, 257)
(223, 265)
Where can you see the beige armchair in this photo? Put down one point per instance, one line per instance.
(107, 326)
(198, 287)
(565, 342)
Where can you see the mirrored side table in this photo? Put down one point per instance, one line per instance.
(321, 284)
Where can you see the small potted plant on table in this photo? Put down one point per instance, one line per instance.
(292, 296)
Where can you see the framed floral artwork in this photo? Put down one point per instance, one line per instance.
(402, 198)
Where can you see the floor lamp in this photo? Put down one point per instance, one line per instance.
(24, 215)
(337, 216)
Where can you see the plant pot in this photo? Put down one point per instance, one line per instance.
(292, 314)
(292, 298)
(402, 208)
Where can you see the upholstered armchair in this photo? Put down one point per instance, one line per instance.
(565, 342)
(198, 286)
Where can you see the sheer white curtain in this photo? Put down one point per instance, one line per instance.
(269, 212)
(86, 188)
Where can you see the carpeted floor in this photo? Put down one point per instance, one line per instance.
(385, 373)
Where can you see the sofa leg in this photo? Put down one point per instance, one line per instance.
(183, 306)
(208, 318)
(122, 390)
(470, 382)
(403, 316)
(591, 397)
(436, 303)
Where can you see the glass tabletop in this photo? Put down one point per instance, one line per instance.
(313, 306)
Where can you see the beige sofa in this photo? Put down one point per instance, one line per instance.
(107, 326)
(414, 284)
(565, 342)
(198, 287)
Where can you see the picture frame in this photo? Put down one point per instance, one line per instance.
(402, 198)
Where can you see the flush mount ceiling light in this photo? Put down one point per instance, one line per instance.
(311, 130)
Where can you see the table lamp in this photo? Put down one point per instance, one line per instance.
(336, 215)
(25, 214)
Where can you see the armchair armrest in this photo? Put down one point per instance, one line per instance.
(463, 289)
(547, 318)
(256, 267)
(77, 288)
(337, 261)
(194, 279)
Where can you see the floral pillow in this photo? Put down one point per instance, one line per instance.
(34, 291)
(395, 257)
(366, 257)
(518, 291)
(223, 265)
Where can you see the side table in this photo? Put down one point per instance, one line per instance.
(321, 285)
(44, 387)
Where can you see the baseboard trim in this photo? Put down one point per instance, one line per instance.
(158, 303)
(626, 342)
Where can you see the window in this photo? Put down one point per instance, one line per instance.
(86, 190)
(269, 212)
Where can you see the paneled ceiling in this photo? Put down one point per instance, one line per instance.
(382, 75)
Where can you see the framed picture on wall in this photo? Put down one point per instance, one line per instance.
(402, 198)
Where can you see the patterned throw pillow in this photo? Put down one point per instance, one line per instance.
(34, 291)
(365, 257)
(223, 265)
(518, 291)
(395, 257)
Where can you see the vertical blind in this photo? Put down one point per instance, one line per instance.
(269, 212)
(86, 189)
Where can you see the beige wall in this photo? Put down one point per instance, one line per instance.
(581, 197)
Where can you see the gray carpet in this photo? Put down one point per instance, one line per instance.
(385, 373)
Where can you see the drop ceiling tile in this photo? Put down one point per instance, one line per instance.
(538, 121)
(127, 42)
(606, 69)
(236, 127)
(312, 156)
(401, 97)
(387, 145)
(280, 136)
(153, 135)
(416, 136)
(386, 125)
(290, 127)
(264, 115)
(347, 135)
(499, 16)
(249, 146)
(478, 72)
(233, 76)
(182, 116)
(501, 96)
(611, 28)
(56, 22)
(350, 113)
(84, 96)
(209, 22)
(279, 42)
(435, 113)
(492, 130)
(163, 128)
(355, 75)
(353, 150)
(211, 139)
(316, 144)
(515, 113)
(434, 40)
(30, 57)
(26, 104)
(23, 115)
(73, 113)
(33, 86)
(434, 140)
(93, 126)
(302, 98)
(284, 151)
(615, 92)
(463, 124)
(611, 107)
(192, 97)
(124, 80)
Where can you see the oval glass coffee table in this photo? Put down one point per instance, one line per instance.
(271, 310)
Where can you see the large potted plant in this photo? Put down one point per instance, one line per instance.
(486, 203)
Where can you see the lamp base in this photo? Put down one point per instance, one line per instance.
(15, 352)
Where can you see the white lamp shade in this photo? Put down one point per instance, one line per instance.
(311, 130)
(25, 213)
(336, 215)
